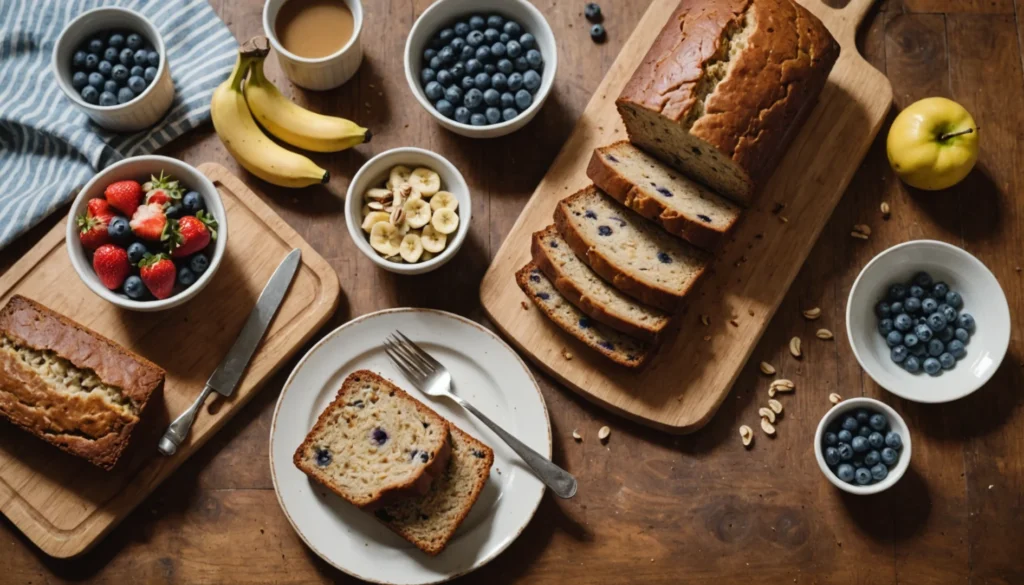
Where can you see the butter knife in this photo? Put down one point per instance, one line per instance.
(225, 378)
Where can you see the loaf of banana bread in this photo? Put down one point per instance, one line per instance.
(70, 386)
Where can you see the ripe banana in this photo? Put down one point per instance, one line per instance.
(294, 124)
(244, 139)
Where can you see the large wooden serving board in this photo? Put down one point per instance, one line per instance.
(66, 505)
(690, 377)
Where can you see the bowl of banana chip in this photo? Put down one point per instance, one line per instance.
(408, 210)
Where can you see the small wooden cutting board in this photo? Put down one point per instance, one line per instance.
(64, 504)
(690, 377)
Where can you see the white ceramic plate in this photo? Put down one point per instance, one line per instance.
(487, 373)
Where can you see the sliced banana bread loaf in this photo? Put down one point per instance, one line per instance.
(375, 444)
(725, 87)
(429, 521)
(627, 250)
(70, 386)
(616, 346)
(592, 295)
(649, 187)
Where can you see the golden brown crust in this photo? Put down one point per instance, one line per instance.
(83, 424)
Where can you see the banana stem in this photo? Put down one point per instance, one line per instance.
(948, 135)
(252, 51)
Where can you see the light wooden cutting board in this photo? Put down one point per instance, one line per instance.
(690, 377)
(64, 504)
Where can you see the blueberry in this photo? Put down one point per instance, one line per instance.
(845, 472)
(893, 440)
(137, 84)
(897, 292)
(116, 40)
(141, 57)
(136, 71)
(878, 422)
(513, 49)
(491, 97)
(462, 115)
(939, 291)
(458, 69)
(498, 50)
(923, 332)
(467, 83)
(174, 211)
(961, 336)
(78, 60)
(862, 476)
(521, 64)
(947, 360)
(527, 41)
(879, 472)
(110, 54)
(912, 364)
(885, 326)
(477, 22)
(505, 67)
(929, 306)
(965, 321)
(478, 120)
(426, 76)
(474, 66)
(932, 366)
(956, 349)
(495, 21)
(125, 95)
(118, 229)
(844, 436)
(445, 78)
(90, 94)
(902, 322)
(491, 36)
(493, 115)
(515, 82)
(512, 29)
(845, 451)
(436, 63)
(831, 456)
(910, 340)
(461, 29)
(916, 291)
(534, 59)
(490, 68)
(467, 53)
(475, 38)
(831, 439)
(864, 431)
(186, 277)
(429, 54)
(890, 456)
(323, 457)
(379, 436)
(97, 80)
(107, 99)
(523, 99)
(859, 444)
(127, 57)
(949, 313)
(434, 91)
(850, 423)
(79, 80)
(199, 263)
(484, 54)
(947, 334)
(91, 62)
(894, 338)
(454, 94)
(592, 12)
(119, 73)
(446, 35)
(134, 288)
(872, 458)
(110, 86)
(136, 251)
(912, 305)
(531, 81)
(937, 321)
(192, 202)
(899, 353)
(509, 114)
(482, 81)
(597, 33)
(445, 107)
(499, 81)
(876, 440)
(923, 280)
(508, 101)
(134, 41)
(96, 46)
(862, 416)
(504, 38)
(473, 98)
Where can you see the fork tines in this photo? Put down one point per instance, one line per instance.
(415, 363)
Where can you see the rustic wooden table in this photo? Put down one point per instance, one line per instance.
(651, 508)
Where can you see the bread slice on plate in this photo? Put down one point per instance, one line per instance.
(630, 252)
(375, 444)
(429, 521)
(589, 293)
(684, 208)
(616, 346)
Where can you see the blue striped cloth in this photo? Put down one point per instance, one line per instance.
(48, 147)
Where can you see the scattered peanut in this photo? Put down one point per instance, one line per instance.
(812, 314)
(885, 210)
(767, 427)
(824, 334)
(794, 347)
(603, 434)
(767, 413)
(705, 320)
(566, 354)
(780, 385)
(747, 435)
(859, 235)
(862, 228)
(775, 405)
(767, 369)
(835, 398)
(576, 435)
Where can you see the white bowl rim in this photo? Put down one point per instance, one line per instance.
(905, 453)
(271, 34)
(356, 231)
(417, 91)
(66, 86)
(1000, 351)
(220, 248)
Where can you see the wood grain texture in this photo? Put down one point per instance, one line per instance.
(652, 508)
(688, 379)
(63, 504)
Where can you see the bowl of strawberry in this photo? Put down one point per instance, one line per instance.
(147, 233)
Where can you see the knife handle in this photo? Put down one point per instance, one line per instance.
(179, 429)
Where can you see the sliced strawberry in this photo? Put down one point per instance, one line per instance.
(191, 234)
(100, 209)
(163, 190)
(158, 274)
(149, 222)
(124, 196)
(111, 265)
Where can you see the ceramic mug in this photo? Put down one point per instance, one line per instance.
(324, 72)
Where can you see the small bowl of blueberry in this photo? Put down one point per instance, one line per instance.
(482, 68)
(928, 321)
(111, 63)
(862, 446)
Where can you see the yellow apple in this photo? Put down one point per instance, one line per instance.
(933, 144)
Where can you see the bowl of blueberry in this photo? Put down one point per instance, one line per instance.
(147, 233)
(928, 321)
(862, 446)
(111, 63)
(482, 68)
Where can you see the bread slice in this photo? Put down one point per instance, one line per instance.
(616, 346)
(649, 187)
(725, 87)
(429, 521)
(592, 295)
(70, 386)
(374, 443)
(627, 250)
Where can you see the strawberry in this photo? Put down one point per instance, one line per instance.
(191, 234)
(111, 265)
(99, 208)
(162, 190)
(124, 196)
(158, 274)
(92, 227)
(149, 222)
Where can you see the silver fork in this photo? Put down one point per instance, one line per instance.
(431, 377)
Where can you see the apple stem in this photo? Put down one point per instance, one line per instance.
(949, 135)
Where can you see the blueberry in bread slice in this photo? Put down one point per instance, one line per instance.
(725, 87)
(374, 443)
(627, 250)
(591, 294)
(429, 521)
(616, 346)
(70, 386)
(683, 207)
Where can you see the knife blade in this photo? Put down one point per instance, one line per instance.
(225, 378)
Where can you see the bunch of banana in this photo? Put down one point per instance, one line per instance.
(233, 108)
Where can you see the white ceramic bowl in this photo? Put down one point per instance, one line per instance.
(375, 173)
(983, 298)
(444, 13)
(324, 72)
(896, 423)
(143, 111)
(140, 168)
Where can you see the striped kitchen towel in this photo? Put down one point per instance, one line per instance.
(48, 147)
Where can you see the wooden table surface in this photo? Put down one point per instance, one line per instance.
(651, 508)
